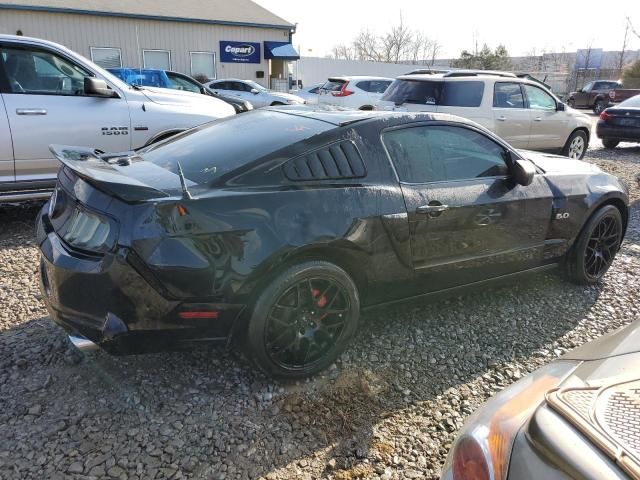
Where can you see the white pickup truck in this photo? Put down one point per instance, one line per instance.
(49, 94)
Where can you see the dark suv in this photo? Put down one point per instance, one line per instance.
(594, 95)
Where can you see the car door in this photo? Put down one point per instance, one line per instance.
(7, 174)
(549, 127)
(511, 117)
(581, 98)
(46, 104)
(468, 219)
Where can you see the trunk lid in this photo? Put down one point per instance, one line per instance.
(124, 175)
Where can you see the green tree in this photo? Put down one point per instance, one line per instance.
(631, 75)
(485, 59)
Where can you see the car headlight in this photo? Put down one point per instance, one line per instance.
(483, 446)
(88, 231)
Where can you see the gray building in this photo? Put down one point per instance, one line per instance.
(214, 38)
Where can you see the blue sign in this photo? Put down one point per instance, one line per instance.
(239, 52)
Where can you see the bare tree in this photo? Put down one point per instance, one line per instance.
(632, 28)
(367, 46)
(396, 44)
(344, 52)
(623, 50)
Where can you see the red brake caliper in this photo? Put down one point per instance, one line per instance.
(321, 302)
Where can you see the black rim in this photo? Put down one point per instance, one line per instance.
(306, 322)
(602, 247)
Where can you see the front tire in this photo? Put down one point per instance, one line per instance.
(608, 143)
(303, 320)
(596, 247)
(571, 102)
(576, 145)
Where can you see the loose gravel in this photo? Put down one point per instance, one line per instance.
(388, 409)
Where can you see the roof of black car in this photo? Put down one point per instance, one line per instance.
(340, 117)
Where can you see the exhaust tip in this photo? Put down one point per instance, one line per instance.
(83, 344)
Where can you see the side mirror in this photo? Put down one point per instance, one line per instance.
(580, 90)
(97, 87)
(560, 107)
(254, 91)
(523, 172)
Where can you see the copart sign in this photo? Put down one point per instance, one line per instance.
(239, 52)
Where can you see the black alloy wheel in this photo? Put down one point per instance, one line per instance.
(306, 322)
(599, 107)
(602, 247)
(303, 320)
(596, 247)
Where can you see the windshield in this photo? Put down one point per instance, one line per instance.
(207, 152)
(255, 85)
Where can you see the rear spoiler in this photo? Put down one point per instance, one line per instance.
(105, 173)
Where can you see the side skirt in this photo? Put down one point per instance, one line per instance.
(469, 286)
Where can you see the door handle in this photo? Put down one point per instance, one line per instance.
(432, 208)
(502, 118)
(537, 119)
(31, 111)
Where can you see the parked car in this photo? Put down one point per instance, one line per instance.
(143, 77)
(621, 94)
(176, 81)
(50, 94)
(357, 92)
(620, 123)
(521, 111)
(253, 92)
(576, 417)
(309, 94)
(594, 95)
(277, 241)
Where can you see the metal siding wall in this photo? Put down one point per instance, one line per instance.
(80, 32)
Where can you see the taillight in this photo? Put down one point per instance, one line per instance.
(605, 117)
(469, 461)
(343, 92)
(88, 231)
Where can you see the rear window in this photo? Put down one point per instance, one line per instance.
(333, 85)
(413, 91)
(633, 102)
(207, 152)
(449, 94)
(462, 94)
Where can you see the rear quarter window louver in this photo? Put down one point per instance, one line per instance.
(337, 161)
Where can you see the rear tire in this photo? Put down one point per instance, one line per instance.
(599, 107)
(596, 246)
(576, 145)
(303, 320)
(608, 143)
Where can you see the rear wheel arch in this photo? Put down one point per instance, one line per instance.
(342, 257)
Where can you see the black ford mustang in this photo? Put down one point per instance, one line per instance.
(276, 227)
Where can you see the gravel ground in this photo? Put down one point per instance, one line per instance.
(388, 409)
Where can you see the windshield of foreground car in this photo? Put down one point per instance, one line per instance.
(209, 151)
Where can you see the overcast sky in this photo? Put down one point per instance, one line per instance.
(520, 25)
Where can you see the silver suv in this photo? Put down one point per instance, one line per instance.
(522, 111)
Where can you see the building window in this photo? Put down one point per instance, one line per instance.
(160, 59)
(106, 57)
(203, 64)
